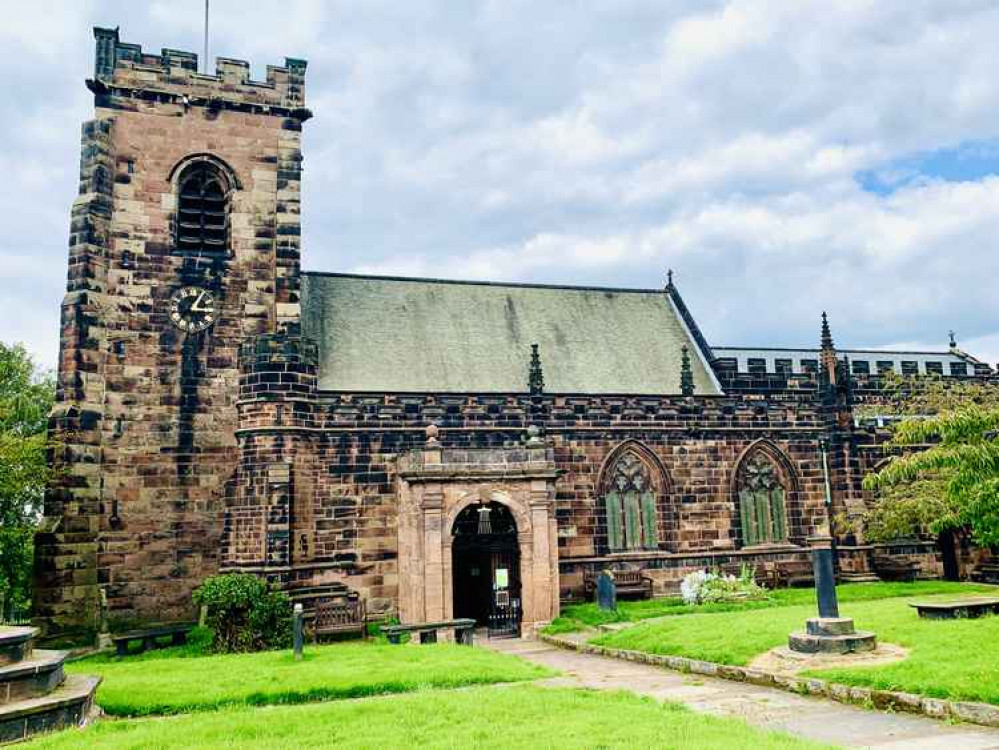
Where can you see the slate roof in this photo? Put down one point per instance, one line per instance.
(428, 335)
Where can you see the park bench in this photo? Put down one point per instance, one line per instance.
(958, 608)
(896, 570)
(149, 637)
(791, 574)
(986, 573)
(338, 616)
(627, 583)
(464, 631)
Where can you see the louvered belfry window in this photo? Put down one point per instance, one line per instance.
(202, 211)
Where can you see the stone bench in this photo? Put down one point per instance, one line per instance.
(464, 631)
(958, 608)
(148, 637)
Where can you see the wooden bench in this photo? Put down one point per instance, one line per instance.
(464, 631)
(896, 570)
(148, 637)
(336, 616)
(958, 608)
(627, 583)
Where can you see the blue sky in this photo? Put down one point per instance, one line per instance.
(782, 157)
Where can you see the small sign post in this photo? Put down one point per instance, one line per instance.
(297, 631)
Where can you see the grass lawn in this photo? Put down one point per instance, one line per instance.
(579, 616)
(507, 717)
(174, 681)
(956, 659)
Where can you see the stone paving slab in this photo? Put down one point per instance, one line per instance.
(768, 708)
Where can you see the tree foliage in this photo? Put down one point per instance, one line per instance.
(244, 614)
(26, 397)
(947, 474)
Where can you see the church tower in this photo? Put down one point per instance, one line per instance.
(184, 242)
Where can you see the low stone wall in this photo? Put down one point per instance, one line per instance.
(667, 569)
(936, 708)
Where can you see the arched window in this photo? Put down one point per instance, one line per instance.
(202, 210)
(630, 504)
(762, 500)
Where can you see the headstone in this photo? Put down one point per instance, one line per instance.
(606, 591)
(297, 636)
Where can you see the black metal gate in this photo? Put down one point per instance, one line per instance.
(504, 620)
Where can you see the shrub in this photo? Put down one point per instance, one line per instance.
(244, 613)
(704, 586)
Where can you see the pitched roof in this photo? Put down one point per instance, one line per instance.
(412, 335)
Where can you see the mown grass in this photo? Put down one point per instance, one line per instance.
(957, 659)
(580, 616)
(172, 681)
(511, 718)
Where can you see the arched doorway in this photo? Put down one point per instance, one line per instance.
(485, 560)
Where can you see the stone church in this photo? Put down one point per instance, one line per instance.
(434, 448)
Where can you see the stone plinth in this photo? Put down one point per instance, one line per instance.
(831, 635)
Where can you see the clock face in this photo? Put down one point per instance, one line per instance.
(192, 309)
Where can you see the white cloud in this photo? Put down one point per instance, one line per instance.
(540, 143)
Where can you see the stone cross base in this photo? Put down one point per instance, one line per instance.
(831, 635)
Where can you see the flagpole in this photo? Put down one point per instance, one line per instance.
(206, 38)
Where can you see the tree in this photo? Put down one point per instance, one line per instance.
(946, 473)
(26, 396)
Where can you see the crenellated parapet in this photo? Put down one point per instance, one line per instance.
(125, 71)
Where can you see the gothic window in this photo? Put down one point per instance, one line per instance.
(630, 505)
(202, 210)
(762, 507)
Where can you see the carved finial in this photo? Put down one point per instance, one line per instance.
(432, 432)
(953, 339)
(669, 278)
(534, 436)
(686, 374)
(535, 378)
(827, 341)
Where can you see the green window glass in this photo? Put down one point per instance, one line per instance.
(630, 506)
(762, 502)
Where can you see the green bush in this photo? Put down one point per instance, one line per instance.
(244, 613)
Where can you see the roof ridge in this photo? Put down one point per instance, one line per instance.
(473, 282)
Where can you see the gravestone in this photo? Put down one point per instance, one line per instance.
(606, 591)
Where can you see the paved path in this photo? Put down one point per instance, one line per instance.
(814, 718)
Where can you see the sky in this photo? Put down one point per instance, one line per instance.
(782, 157)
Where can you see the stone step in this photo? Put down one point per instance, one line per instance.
(858, 578)
(69, 705)
(311, 593)
(29, 678)
(16, 643)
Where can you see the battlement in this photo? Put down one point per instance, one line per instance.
(123, 69)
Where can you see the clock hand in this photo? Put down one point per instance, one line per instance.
(196, 305)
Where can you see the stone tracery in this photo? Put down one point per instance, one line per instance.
(630, 505)
(762, 495)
